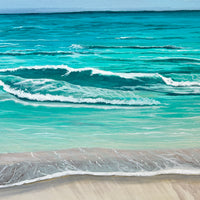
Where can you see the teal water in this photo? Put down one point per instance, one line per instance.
(110, 80)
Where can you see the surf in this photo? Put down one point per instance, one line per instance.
(60, 83)
(37, 166)
(66, 73)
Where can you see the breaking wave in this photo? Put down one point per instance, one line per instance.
(89, 85)
(71, 99)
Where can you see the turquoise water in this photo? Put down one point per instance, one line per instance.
(110, 80)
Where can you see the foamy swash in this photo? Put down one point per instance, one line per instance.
(21, 168)
(89, 85)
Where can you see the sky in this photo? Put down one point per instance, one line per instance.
(83, 5)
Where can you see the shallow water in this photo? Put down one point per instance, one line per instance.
(23, 168)
(110, 80)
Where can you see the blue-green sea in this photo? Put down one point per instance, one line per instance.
(125, 80)
(101, 93)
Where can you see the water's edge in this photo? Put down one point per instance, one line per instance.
(23, 168)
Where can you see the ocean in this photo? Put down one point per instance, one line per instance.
(121, 85)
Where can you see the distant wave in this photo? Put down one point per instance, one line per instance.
(158, 60)
(79, 47)
(27, 27)
(24, 53)
(147, 38)
(32, 167)
(133, 37)
(157, 28)
(133, 47)
(171, 37)
(175, 59)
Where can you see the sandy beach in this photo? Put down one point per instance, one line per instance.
(172, 187)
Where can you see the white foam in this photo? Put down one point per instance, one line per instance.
(93, 71)
(131, 37)
(109, 73)
(35, 67)
(71, 99)
(169, 81)
(69, 70)
(177, 58)
(76, 46)
(141, 174)
(124, 37)
(37, 104)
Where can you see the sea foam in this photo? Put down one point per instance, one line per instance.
(32, 167)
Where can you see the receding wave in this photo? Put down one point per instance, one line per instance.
(148, 38)
(24, 53)
(78, 46)
(32, 167)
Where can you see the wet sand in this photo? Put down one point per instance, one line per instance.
(163, 187)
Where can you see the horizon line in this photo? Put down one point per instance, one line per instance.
(62, 11)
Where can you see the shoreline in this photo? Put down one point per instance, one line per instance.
(173, 187)
(30, 167)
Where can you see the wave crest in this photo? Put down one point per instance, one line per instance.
(90, 85)
(80, 96)
(65, 73)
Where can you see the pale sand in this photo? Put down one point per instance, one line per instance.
(172, 187)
